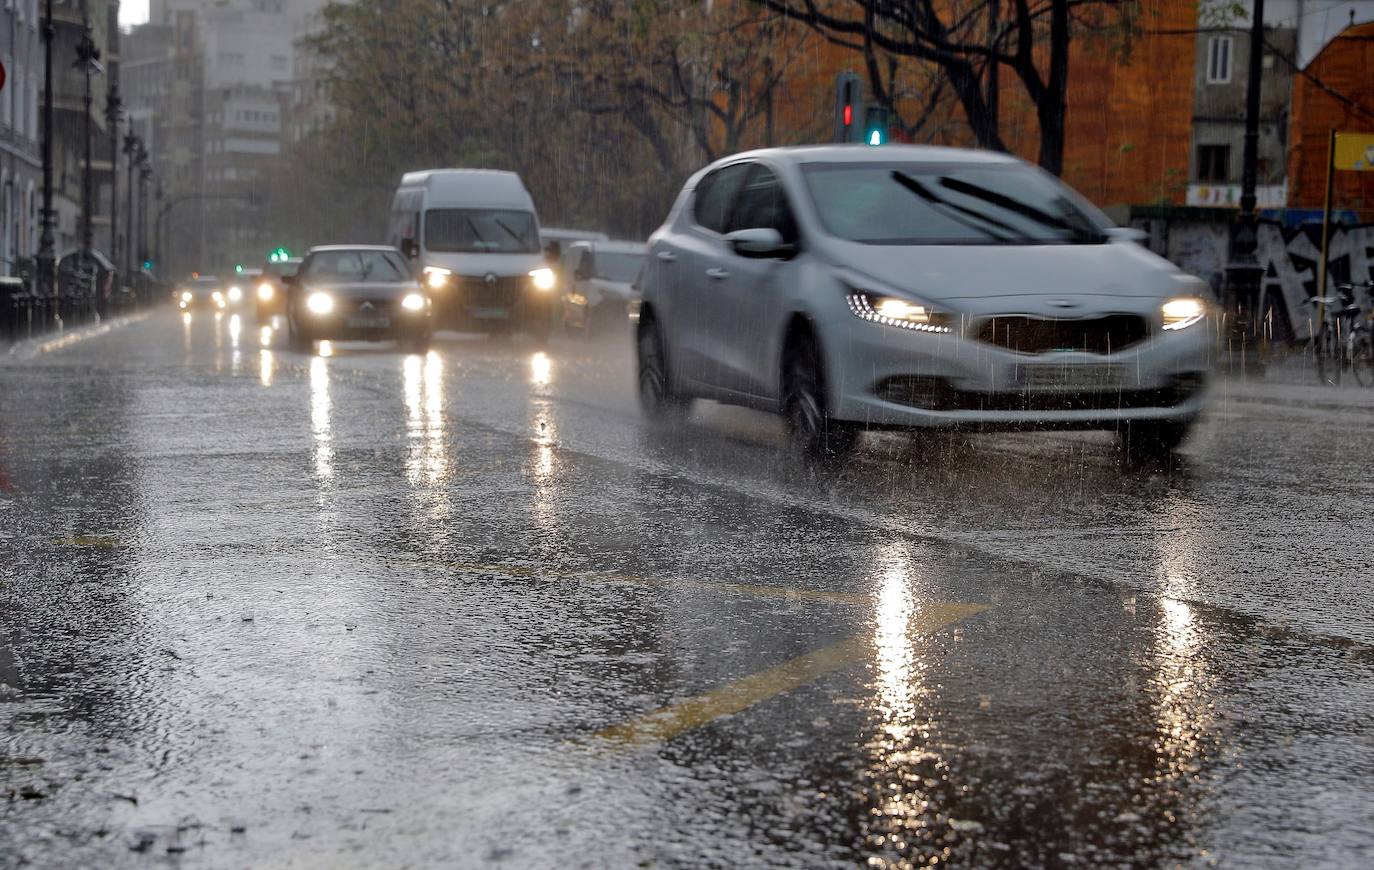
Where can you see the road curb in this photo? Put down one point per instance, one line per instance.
(30, 348)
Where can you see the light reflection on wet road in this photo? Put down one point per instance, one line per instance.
(370, 608)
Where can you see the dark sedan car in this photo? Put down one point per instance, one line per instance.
(357, 293)
(270, 290)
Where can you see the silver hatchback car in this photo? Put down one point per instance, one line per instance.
(854, 288)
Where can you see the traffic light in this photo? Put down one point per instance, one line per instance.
(877, 119)
(147, 265)
(238, 268)
(278, 255)
(849, 107)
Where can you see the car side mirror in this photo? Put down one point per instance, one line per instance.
(410, 248)
(759, 243)
(1127, 234)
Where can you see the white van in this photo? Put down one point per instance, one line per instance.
(475, 236)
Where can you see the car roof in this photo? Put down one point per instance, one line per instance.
(612, 246)
(562, 234)
(857, 153)
(319, 248)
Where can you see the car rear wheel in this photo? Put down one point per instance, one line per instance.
(657, 399)
(813, 432)
(298, 340)
(1150, 441)
(417, 342)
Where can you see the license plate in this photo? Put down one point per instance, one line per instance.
(369, 322)
(1069, 377)
(489, 313)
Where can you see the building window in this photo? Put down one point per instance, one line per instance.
(1219, 60)
(1213, 163)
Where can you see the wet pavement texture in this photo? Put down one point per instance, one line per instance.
(364, 608)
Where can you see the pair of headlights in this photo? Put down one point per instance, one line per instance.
(438, 277)
(1177, 313)
(320, 302)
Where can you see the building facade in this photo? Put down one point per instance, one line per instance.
(21, 176)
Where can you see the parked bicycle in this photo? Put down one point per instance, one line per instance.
(1333, 344)
(1359, 349)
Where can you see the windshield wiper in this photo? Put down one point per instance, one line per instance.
(958, 212)
(1016, 206)
(512, 233)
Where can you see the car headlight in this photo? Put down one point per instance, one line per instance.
(437, 277)
(217, 296)
(320, 303)
(1182, 312)
(186, 296)
(543, 279)
(266, 291)
(895, 311)
(235, 293)
(413, 302)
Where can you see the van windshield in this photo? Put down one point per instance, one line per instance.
(481, 231)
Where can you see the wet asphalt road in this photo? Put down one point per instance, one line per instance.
(265, 609)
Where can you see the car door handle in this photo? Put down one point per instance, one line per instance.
(717, 274)
(667, 256)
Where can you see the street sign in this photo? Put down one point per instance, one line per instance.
(1353, 152)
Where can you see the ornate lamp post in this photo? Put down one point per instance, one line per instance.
(132, 144)
(47, 259)
(88, 61)
(113, 112)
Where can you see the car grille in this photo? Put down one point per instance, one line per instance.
(937, 394)
(477, 291)
(1101, 335)
(380, 307)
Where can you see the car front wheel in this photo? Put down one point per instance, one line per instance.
(1152, 441)
(813, 432)
(657, 399)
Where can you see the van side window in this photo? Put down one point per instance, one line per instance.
(714, 195)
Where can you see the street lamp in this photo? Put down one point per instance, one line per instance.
(47, 265)
(132, 144)
(88, 61)
(1244, 273)
(113, 106)
(145, 172)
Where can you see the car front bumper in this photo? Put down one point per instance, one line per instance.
(887, 377)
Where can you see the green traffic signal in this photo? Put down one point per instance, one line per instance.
(877, 119)
(147, 265)
(238, 268)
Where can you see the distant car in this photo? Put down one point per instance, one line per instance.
(202, 291)
(598, 281)
(269, 294)
(357, 292)
(556, 239)
(906, 287)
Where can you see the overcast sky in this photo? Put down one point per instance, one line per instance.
(133, 12)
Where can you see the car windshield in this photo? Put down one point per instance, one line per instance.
(933, 204)
(371, 266)
(619, 267)
(279, 269)
(481, 231)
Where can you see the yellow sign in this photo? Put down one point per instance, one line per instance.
(1354, 151)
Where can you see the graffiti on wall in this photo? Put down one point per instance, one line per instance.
(1290, 256)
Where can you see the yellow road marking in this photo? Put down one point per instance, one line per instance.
(787, 593)
(667, 722)
(97, 541)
